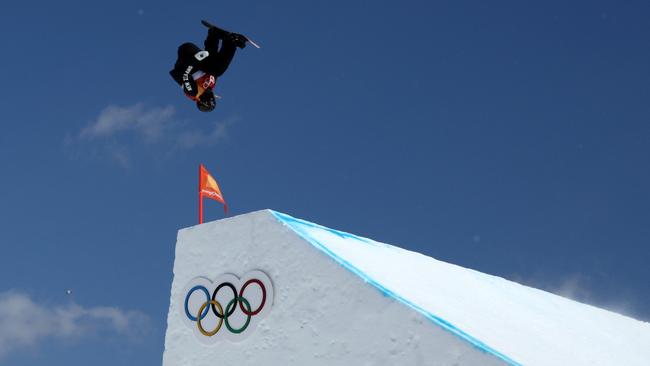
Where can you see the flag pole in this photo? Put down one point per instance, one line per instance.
(200, 198)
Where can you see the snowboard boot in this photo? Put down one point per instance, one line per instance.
(218, 33)
(238, 40)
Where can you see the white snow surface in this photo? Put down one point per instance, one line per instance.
(340, 299)
(525, 325)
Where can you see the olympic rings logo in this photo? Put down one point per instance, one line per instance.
(209, 82)
(207, 307)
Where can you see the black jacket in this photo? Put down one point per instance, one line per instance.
(214, 60)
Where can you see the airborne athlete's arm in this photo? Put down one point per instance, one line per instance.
(189, 85)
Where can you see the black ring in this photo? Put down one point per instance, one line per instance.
(214, 298)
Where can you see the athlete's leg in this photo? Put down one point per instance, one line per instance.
(215, 36)
(220, 57)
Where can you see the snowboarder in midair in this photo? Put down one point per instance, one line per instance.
(196, 70)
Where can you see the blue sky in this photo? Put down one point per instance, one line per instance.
(511, 138)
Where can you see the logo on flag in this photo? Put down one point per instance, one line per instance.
(209, 188)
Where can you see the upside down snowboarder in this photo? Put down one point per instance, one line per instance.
(196, 70)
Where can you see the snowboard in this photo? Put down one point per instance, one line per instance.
(209, 25)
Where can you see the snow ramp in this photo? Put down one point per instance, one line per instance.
(265, 288)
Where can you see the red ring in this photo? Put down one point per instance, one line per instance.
(241, 294)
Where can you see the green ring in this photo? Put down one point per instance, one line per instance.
(248, 317)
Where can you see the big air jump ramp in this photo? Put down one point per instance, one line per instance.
(268, 289)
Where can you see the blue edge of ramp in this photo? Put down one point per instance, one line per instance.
(297, 226)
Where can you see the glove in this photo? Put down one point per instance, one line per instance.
(238, 40)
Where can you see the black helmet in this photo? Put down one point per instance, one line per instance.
(207, 101)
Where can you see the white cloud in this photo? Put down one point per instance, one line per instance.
(118, 130)
(120, 155)
(24, 322)
(197, 138)
(149, 122)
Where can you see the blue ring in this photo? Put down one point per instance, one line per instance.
(187, 300)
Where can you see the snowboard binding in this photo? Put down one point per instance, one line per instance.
(239, 40)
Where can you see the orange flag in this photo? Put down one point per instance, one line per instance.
(209, 188)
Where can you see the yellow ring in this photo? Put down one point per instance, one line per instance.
(198, 321)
